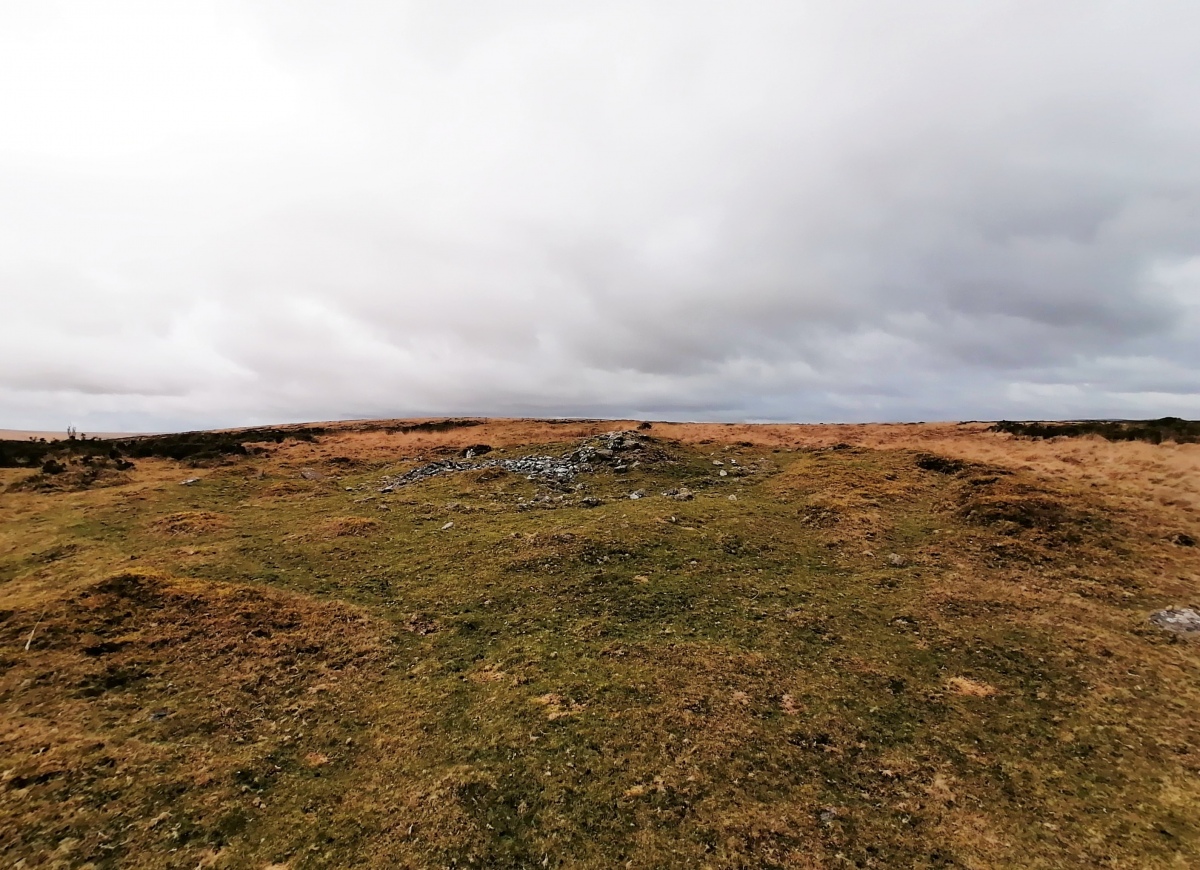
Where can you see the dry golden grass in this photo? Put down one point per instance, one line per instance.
(350, 527)
(190, 523)
(141, 711)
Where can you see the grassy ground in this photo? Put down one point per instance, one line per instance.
(829, 656)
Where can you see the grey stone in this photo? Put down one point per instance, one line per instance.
(561, 469)
(1181, 620)
(680, 494)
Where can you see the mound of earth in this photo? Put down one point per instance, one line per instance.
(179, 706)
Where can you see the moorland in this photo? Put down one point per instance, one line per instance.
(594, 644)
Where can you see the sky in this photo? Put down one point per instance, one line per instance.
(226, 213)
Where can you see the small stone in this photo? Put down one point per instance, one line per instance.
(723, 473)
(717, 462)
(1183, 540)
(190, 481)
(896, 560)
(733, 498)
(1181, 620)
(309, 474)
(448, 525)
(641, 493)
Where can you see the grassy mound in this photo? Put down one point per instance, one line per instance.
(150, 715)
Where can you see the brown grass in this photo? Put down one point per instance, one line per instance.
(190, 523)
(117, 698)
(350, 527)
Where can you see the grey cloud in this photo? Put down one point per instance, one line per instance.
(850, 210)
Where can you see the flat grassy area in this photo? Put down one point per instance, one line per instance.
(827, 656)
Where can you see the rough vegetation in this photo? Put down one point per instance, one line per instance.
(193, 446)
(793, 648)
(1154, 431)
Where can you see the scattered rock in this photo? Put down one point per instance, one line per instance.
(1181, 620)
(310, 474)
(733, 498)
(448, 525)
(723, 473)
(190, 481)
(592, 454)
(896, 560)
(636, 494)
(1183, 540)
(680, 494)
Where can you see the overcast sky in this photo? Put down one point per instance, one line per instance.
(215, 213)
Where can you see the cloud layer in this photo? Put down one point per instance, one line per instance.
(259, 211)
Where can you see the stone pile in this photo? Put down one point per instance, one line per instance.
(614, 450)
